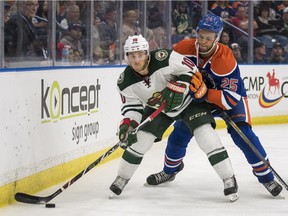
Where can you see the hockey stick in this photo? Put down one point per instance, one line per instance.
(31, 199)
(253, 148)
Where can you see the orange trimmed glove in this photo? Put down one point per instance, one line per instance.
(198, 89)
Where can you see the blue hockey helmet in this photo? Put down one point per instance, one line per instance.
(212, 23)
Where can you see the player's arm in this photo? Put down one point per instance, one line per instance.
(132, 107)
(225, 96)
(228, 86)
(175, 91)
(228, 91)
(132, 110)
(225, 99)
(182, 67)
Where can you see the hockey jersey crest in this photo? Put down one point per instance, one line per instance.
(161, 55)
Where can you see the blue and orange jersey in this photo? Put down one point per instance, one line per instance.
(223, 69)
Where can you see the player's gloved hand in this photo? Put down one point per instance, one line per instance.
(198, 89)
(126, 135)
(208, 80)
(172, 94)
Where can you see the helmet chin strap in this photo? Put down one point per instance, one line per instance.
(205, 53)
(214, 44)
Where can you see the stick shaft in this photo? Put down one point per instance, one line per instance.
(253, 148)
(31, 199)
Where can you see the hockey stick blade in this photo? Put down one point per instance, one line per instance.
(31, 199)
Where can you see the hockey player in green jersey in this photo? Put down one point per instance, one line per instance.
(150, 79)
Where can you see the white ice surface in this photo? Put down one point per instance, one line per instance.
(196, 191)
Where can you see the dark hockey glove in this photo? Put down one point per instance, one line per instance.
(126, 135)
(173, 94)
(208, 80)
(198, 89)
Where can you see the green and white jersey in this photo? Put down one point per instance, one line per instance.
(165, 65)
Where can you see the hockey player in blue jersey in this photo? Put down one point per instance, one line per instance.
(224, 89)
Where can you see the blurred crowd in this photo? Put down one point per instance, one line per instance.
(27, 27)
(270, 27)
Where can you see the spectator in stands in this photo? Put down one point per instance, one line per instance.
(196, 12)
(83, 9)
(159, 39)
(182, 22)
(130, 23)
(130, 26)
(267, 30)
(156, 23)
(236, 50)
(155, 17)
(100, 9)
(225, 37)
(284, 29)
(259, 53)
(281, 6)
(21, 40)
(108, 34)
(61, 11)
(98, 56)
(243, 3)
(41, 17)
(223, 9)
(273, 10)
(72, 15)
(277, 54)
(72, 39)
(62, 7)
(40, 21)
(181, 19)
(241, 22)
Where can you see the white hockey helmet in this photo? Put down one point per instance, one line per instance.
(135, 43)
